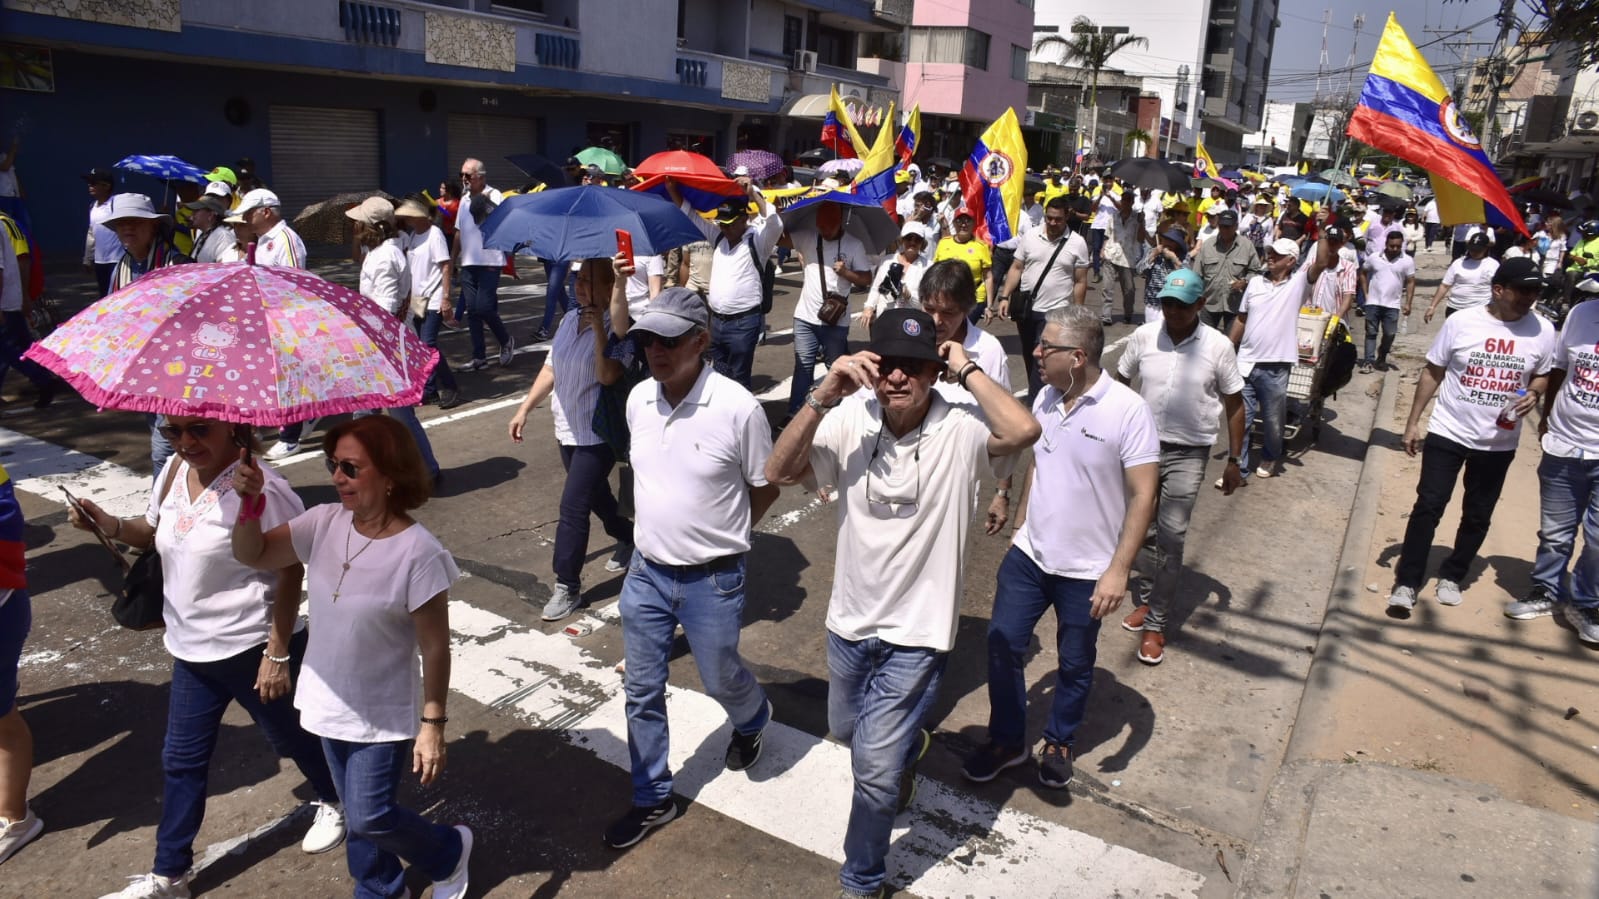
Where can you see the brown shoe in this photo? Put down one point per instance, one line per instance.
(1153, 648)
(1135, 621)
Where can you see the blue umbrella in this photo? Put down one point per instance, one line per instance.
(573, 223)
(167, 168)
(866, 219)
(1317, 193)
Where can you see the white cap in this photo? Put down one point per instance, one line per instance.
(256, 199)
(916, 228)
(219, 189)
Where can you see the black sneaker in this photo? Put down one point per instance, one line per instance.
(985, 764)
(1055, 765)
(907, 778)
(632, 827)
(743, 751)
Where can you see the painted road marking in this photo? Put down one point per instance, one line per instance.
(800, 792)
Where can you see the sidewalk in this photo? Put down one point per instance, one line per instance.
(1453, 753)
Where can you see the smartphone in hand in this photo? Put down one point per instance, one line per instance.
(624, 244)
(100, 535)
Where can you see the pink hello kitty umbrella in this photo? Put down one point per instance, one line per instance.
(260, 345)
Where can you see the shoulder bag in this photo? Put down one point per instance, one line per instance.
(138, 608)
(1021, 302)
(834, 305)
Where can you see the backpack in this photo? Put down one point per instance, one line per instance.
(768, 270)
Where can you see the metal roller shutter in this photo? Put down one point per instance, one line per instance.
(319, 152)
(491, 138)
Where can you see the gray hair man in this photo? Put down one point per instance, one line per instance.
(275, 242)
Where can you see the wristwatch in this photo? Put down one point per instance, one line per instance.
(1232, 460)
(820, 407)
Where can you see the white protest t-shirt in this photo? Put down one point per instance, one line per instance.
(1273, 310)
(427, 253)
(1470, 281)
(215, 606)
(361, 681)
(1486, 361)
(1574, 418)
(1385, 282)
(819, 274)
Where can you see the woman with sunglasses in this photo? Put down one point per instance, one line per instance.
(579, 363)
(379, 586)
(234, 633)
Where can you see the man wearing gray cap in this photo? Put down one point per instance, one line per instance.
(698, 489)
(1225, 264)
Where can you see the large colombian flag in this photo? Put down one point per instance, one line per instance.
(838, 130)
(1405, 110)
(910, 136)
(992, 179)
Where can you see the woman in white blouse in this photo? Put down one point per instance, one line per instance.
(378, 585)
(913, 262)
(234, 633)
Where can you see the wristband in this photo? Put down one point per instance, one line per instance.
(281, 660)
(440, 721)
(118, 532)
(965, 372)
(251, 508)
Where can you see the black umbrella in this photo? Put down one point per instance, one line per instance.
(815, 157)
(1385, 201)
(941, 162)
(537, 167)
(1544, 197)
(1151, 174)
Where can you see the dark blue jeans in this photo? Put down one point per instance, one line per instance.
(1025, 592)
(14, 341)
(555, 296)
(428, 327)
(733, 342)
(16, 618)
(588, 489)
(1096, 246)
(812, 343)
(380, 832)
(201, 693)
(480, 301)
(1569, 501)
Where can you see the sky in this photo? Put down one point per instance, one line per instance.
(1297, 50)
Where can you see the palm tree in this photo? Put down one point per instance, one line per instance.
(1090, 47)
(1136, 140)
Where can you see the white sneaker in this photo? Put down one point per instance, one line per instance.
(620, 559)
(1448, 593)
(281, 450)
(1403, 599)
(1264, 471)
(327, 829)
(153, 886)
(16, 834)
(455, 886)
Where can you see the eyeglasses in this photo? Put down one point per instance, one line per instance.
(468, 176)
(173, 433)
(344, 465)
(1049, 348)
(647, 339)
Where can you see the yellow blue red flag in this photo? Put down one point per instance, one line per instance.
(1204, 166)
(875, 180)
(1406, 111)
(910, 135)
(992, 179)
(838, 130)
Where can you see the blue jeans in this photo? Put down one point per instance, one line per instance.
(1265, 395)
(1096, 246)
(379, 831)
(1569, 495)
(1387, 319)
(406, 415)
(428, 331)
(555, 296)
(810, 342)
(480, 300)
(16, 618)
(1024, 592)
(201, 693)
(710, 606)
(733, 342)
(587, 489)
(878, 696)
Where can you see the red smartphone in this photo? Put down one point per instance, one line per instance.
(624, 244)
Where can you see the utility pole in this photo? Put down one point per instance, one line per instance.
(1496, 71)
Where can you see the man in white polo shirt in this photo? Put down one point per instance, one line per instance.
(1187, 374)
(480, 266)
(906, 464)
(1052, 268)
(1089, 501)
(1265, 333)
(700, 444)
(1389, 279)
(1485, 359)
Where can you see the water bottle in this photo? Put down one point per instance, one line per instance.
(1508, 416)
(1404, 325)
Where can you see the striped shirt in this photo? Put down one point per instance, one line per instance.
(577, 385)
(280, 246)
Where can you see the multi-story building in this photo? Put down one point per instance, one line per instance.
(1284, 129)
(965, 64)
(1056, 101)
(336, 95)
(1209, 61)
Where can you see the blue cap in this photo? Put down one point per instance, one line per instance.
(1183, 285)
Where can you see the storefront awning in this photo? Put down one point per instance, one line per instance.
(814, 106)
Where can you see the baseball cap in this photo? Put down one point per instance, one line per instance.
(1283, 246)
(672, 313)
(1176, 236)
(256, 199)
(1478, 240)
(1184, 286)
(902, 177)
(726, 214)
(222, 174)
(220, 190)
(371, 211)
(903, 334)
(914, 229)
(1227, 219)
(1519, 272)
(215, 204)
(100, 174)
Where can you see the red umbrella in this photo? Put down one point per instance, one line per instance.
(698, 179)
(680, 164)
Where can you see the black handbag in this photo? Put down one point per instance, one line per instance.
(1020, 307)
(138, 608)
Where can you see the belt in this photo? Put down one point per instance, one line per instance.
(1166, 447)
(727, 317)
(725, 563)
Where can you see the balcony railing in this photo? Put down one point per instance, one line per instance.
(369, 23)
(556, 50)
(693, 72)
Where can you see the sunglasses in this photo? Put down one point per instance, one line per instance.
(647, 339)
(344, 465)
(173, 433)
(1049, 348)
(911, 367)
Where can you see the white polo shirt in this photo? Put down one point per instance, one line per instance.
(735, 276)
(899, 571)
(1035, 251)
(1078, 499)
(989, 354)
(1385, 282)
(693, 468)
(280, 246)
(471, 234)
(1273, 310)
(1182, 383)
(1574, 418)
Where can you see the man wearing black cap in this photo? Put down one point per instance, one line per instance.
(1489, 367)
(1225, 264)
(697, 492)
(101, 249)
(905, 465)
(737, 267)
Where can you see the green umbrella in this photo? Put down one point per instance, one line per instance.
(1396, 189)
(1339, 177)
(609, 162)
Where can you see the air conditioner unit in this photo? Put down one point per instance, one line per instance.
(804, 61)
(1585, 120)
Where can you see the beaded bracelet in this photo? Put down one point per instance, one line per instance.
(252, 508)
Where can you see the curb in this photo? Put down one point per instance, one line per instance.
(1327, 670)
